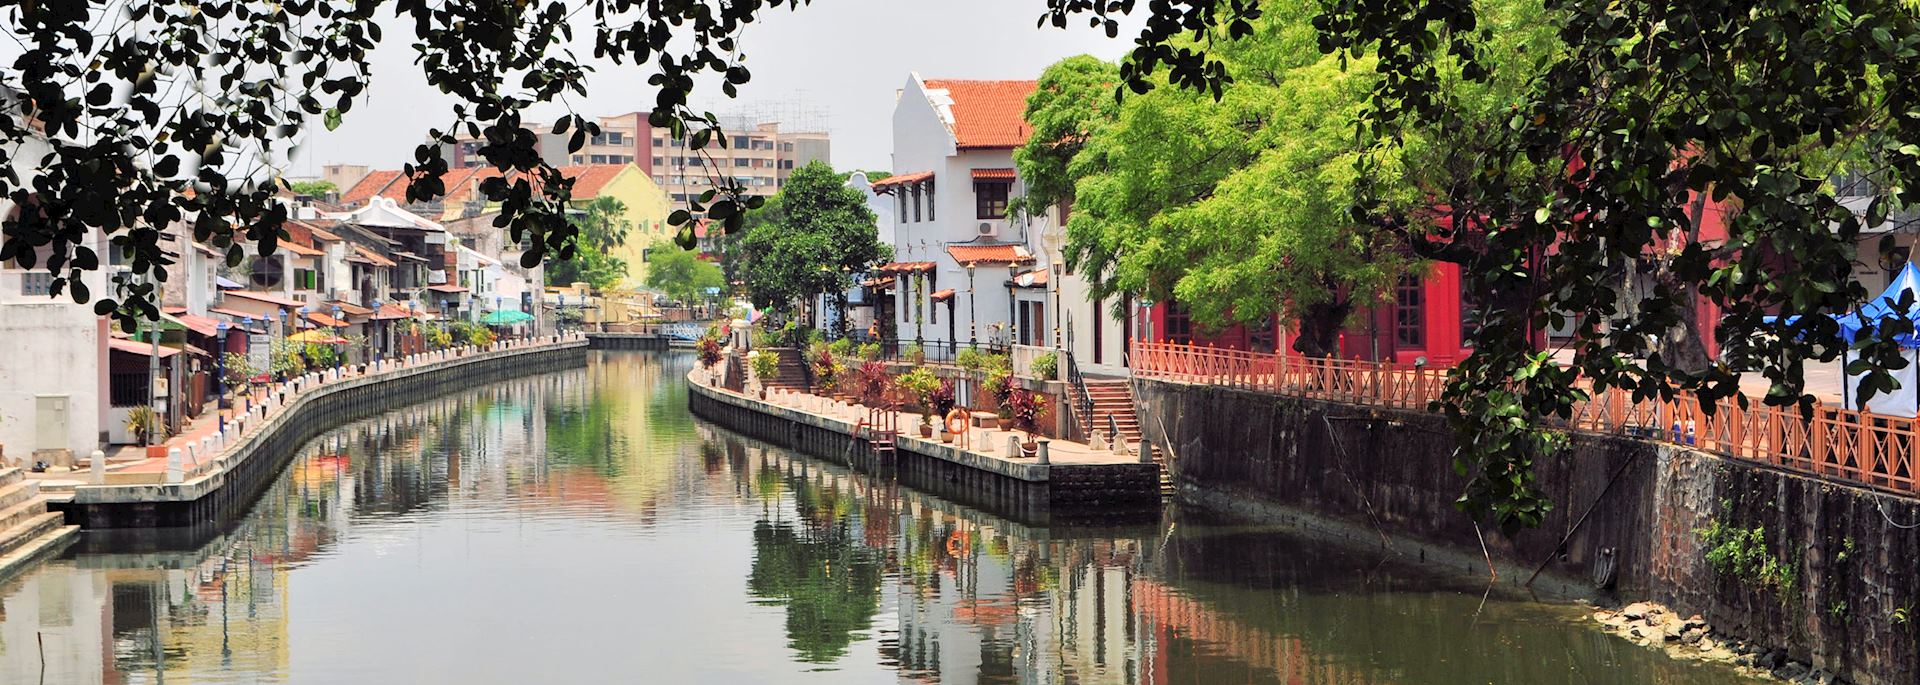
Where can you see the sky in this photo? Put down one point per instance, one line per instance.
(844, 57)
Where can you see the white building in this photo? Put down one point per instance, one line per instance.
(965, 269)
(39, 410)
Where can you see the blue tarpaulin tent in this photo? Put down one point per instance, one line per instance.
(1904, 401)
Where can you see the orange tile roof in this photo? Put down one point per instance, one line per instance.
(903, 267)
(993, 174)
(350, 308)
(988, 114)
(299, 249)
(989, 254)
(590, 179)
(369, 186)
(325, 320)
(887, 184)
(266, 297)
(371, 257)
(942, 295)
(1036, 278)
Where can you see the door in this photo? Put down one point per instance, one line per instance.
(50, 422)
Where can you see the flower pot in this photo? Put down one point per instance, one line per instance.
(926, 431)
(156, 451)
(763, 393)
(1029, 449)
(1006, 423)
(945, 436)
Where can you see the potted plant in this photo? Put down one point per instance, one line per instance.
(147, 428)
(874, 384)
(765, 365)
(921, 384)
(999, 385)
(1045, 367)
(1026, 407)
(941, 401)
(915, 353)
(826, 369)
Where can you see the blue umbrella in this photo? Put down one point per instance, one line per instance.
(505, 317)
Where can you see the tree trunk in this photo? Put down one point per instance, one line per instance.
(1320, 327)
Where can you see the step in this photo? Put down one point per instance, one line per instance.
(20, 513)
(11, 475)
(45, 545)
(18, 492)
(26, 531)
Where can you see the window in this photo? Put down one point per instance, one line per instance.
(929, 192)
(659, 142)
(658, 179)
(1469, 313)
(1263, 337)
(900, 199)
(659, 161)
(916, 203)
(740, 142)
(616, 138)
(786, 164)
(37, 283)
(598, 159)
(1409, 313)
(990, 199)
(1179, 324)
(740, 161)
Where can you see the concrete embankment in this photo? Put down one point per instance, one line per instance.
(1018, 489)
(233, 477)
(1825, 571)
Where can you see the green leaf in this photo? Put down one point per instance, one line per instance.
(331, 119)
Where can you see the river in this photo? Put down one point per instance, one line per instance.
(582, 527)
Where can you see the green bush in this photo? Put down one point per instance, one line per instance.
(765, 365)
(914, 353)
(869, 351)
(970, 359)
(841, 348)
(1045, 367)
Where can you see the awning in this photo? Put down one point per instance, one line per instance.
(411, 256)
(199, 324)
(350, 309)
(886, 185)
(138, 348)
(389, 312)
(226, 284)
(878, 283)
(366, 256)
(904, 267)
(446, 288)
(237, 314)
(301, 250)
(1005, 174)
(942, 295)
(325, 320)
(993, 255)
(258, 296)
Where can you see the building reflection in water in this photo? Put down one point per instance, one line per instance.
(863, 578)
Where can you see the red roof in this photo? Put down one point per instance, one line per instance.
(370, 185)
(903, 267)
(350, 308)
(325, 320)
(444, 288)
(1036, 278)
(989, 254)
(391, 311)
(993, 174)
(199, 324)
(943, 295)
(299, 249)
(140, 348)
(887, 184)
(988, 114)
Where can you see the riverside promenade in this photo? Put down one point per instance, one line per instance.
(216, 471)
(978, 466)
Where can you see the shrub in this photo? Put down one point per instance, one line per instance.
(826, 370)
(709, 350)
(239, 369)
(438, 338)
(869, 351)
(969, 358)
(921, 384)
(1025, 407)
(941, 400)
(765, 365)
(842, 348)
(999, 385)
(914, 353)
(1045, 367)
(874, 384)
(765, 337)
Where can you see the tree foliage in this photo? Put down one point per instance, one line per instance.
(680, 274)
(600, 226)
(314, 188)
(809, 240)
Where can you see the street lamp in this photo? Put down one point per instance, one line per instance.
(220, 361)
(973, 308)
(1054, 241)
(339, 316)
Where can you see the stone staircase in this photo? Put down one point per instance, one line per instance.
(791, 377)
(1114, 398)
(28, 530)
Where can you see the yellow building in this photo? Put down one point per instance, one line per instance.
(647, 206)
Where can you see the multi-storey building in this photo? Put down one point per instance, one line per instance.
(758, 155)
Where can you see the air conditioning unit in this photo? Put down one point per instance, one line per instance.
(989, 229)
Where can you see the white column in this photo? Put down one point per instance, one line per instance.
(97, 467)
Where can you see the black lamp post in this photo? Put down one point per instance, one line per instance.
(220, 362)
(973, 309)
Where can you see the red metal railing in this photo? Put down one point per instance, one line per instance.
(1858, 447)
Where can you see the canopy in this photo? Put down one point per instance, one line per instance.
(319, 336)
(1904, 286)
(505, 317)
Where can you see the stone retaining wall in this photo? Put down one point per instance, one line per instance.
(1031, 494)
(227, 493)
(1351, 472)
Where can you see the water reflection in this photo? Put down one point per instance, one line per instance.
(582, 526)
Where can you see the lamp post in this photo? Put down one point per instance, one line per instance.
(973, 309)
(220, 362)
(338, 316)
(1054, 241)
(373, 348)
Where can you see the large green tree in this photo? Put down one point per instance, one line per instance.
(600, 226)
(809, 240)
(681, 274)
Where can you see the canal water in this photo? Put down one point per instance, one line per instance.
(582, 527)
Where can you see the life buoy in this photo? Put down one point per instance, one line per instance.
(959, 544)
(959, 420)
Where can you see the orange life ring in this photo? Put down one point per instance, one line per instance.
(963, 417)
(959, 544)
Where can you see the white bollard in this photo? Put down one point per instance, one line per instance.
(206, 448)
(1042, 452)
(97, 466)
(1013, 445)
(173, 465)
